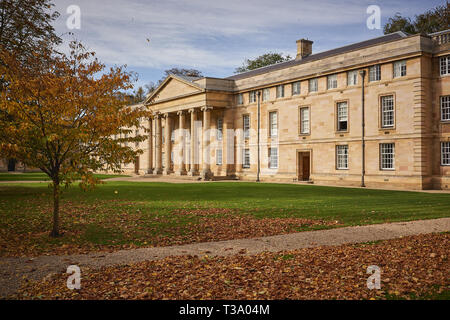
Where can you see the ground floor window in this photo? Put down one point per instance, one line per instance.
(342, 157)
(445, 153)
(387, 156)
(219, 157)
(273, 158)
(246, 158)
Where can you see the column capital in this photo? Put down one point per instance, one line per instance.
(192, 110)
(181, 112)
(206, 108)
(156, 115)
(166, 115)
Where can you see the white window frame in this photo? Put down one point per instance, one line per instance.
(219, 157)
(342, 115)
(273, 124)
(387, 156)
(342, 157)
(246, 125)
(444, 103)
(332, 81)
(399, 68)
(444, 65)
(375, 73)
(445, 153)
(352, 78)
(280, 91)
(246, 158)
(219, 129)
(266, 94)
(296, 88)
(273, 158)
(313, 85)
(240, 99)
(252, 96)
(304, 120)
(387, 111)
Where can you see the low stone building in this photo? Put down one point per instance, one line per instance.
(310, 112)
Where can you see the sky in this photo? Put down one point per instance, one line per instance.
(215, 36)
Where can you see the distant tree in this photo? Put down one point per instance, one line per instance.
(262, 61)
(138, 95)
(433, 20)
(69, 117)
(150, 87)
(182, 72)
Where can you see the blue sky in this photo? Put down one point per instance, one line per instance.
(216, 36)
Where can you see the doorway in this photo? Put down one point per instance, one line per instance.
(136, 165)
(12, 164)
(304, 166)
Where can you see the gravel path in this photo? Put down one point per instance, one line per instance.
(12, 270)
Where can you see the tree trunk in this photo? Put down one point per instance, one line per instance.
(55, 231)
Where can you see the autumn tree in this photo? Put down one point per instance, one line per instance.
(70, 117)
(262, 61)
(433, 20)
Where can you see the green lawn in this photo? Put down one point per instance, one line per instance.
(40, 176)
(118, 214)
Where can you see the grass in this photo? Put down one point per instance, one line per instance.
(140, 213)
(40, 176)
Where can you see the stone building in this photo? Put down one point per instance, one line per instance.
(310, 118)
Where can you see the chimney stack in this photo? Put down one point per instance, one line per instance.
(304, 48)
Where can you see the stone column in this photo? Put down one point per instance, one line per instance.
(193, 161)
(167, 143)
(181, 144)
(206, 170)
(150, 147)
(158, 145)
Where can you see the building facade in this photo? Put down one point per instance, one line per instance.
(310, 112)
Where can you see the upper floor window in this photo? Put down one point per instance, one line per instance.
(273, 124)
(332, 81)
(445, 108)
(304, 120)
(219, 129)
(444, 63)
(375, 73)
(280, 91)
(296, 88)
(252, 96)
(387, 156)
(240, 98)
(352, 78)
(313, 85)
(273, 158)
(399, 68)
(342, 157)
(387, 111)
(266, 94)
(445, 153)
(246, 119)
(342, 116)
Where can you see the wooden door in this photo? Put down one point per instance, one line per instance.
(305, 167)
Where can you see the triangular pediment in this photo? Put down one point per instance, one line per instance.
(173, 87)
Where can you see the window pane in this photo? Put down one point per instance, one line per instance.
(280, 91)
(240, 98)
(265, 94)
(296, 88)
(304, 120)
(445, 65)
(342, 157)
(445, 108)
(273, 158)
(219, 156)
(219, 129)
(246, 158)
(352, 78)
(342, 116)
(246, 119)
(445, 153)
(313, 85)
(387, 111)
(332, 81)
(387, 155)
(375, 73)
(273, 125)
(399, 69)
